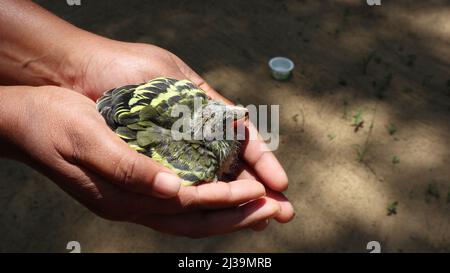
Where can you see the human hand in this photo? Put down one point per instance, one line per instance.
(104, 64)
(73, 58)
(60, 133)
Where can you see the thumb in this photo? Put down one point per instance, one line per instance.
(111, 157)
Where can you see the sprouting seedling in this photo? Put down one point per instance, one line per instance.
(395, 159)
(358, 121)
(392, 208)
(391, 128)
(331, 136)
(361, 151)
(357, 118)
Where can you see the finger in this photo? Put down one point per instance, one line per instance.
(220, 194)
(247, 173)
(106, 154)
(287, 212)
(266, 166)
(129, 205)
(209, 196)
(202, 224)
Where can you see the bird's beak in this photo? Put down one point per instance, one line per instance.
(240, 115)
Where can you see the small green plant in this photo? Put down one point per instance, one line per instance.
(448, 197)
(331, 136)
(391, 128)
(392, 208)
(358, 121)
(432, 192)
(357, 118)
(362, 150)
(395, 160)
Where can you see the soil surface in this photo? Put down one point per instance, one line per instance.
(386, 68)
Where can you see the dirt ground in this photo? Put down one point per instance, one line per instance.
(387, 66)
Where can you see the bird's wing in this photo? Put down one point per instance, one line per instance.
(114, 105)
(141, 115)
(191, 160)
(153, 101)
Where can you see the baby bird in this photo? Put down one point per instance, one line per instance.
(200, 146)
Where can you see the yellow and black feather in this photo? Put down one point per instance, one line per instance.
(140, 115)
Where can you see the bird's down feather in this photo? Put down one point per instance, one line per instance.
(141, 115)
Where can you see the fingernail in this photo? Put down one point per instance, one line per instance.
(166, 184)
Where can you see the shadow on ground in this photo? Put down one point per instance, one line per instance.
(390, 63)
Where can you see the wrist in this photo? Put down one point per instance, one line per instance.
(13, 100)
(37, 48)
(55, 60)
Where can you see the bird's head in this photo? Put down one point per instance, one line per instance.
(215, 118)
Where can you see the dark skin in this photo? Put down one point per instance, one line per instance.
(51, 128)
